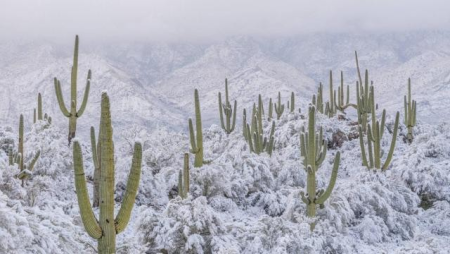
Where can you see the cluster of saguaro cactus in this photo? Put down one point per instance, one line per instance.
(365, 102)
(38, 114)
(196, 139)
(106, 227)
(410, 113)
(330, 107)
(317, 101)
(73, 114)
(313, 149)
(254, 133)
(183, 178)
(19, 156)
(374, 137)
(279, 108)
(230, 113)
(339, 102)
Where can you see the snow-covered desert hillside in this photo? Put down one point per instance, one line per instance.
(239, 202)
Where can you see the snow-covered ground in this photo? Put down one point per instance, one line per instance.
(251, 204)
(240, 202)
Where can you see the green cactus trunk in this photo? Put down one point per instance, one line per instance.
(279, 108)
(39, 115)
(410, 113)
(106, 228)
(183, 178)
(313, 149)
(292, 107)
(73, 114)
(196, 140)
(230, 114)
(96, 157)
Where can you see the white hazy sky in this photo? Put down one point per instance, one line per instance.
(204, 20)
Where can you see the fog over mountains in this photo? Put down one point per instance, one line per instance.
(152, 84)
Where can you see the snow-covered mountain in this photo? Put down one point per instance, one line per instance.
(239, 202)
(152, 84)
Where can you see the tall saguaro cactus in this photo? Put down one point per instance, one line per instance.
(365, 101)
(106, 227)
(410, 113)
(292, 107)
(279, 108)
(39, 110)
(374, 138)
(183, 178)
(230, 114)
(25, 169)
(313, 149)
(339, 102)
(196, 140)
(73, 114)
(331, 106)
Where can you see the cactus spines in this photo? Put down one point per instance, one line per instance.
(230, 114)
(279, 108)
(183, 178)
(313, 149)
(196, 140)
(374, 136)
(410, 113)
(107, 227)
(73, 114)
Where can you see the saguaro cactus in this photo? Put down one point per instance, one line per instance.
(230, 114)
(196, 140)
(339, 102)
(73, 114)
(254, 133)
(106, 227)
(313, 149)
(410, 113)
(270, 117)
(374, 137)
(365, 101)
(331, 105)
(25, 168)
(317, 101)
(183, 178)
(279, 108)
(292, 107)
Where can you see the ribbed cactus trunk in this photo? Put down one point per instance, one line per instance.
(196, 140)
(107, 242)
(73, 114)
(96, 157)
(314, 149)
(106, 228)
(39, 111)
(410, 113)
(21, 150)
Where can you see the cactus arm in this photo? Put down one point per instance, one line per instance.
(86, 95)
(244, 123)
(87, 215)
(357, 67)
(249, 137)
(194, 148)
(33, 161)
(233, 125)
(180, 184)
(186, 180)
(363, 150)
(132, 188)
(391, 149)
(221, 111)
(333, 177)
(21, 151)
(322, 154)
(94, 147)
(60, 98)
(369, 145)
(304, 199)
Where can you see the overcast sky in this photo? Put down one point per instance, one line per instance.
(205, 20)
